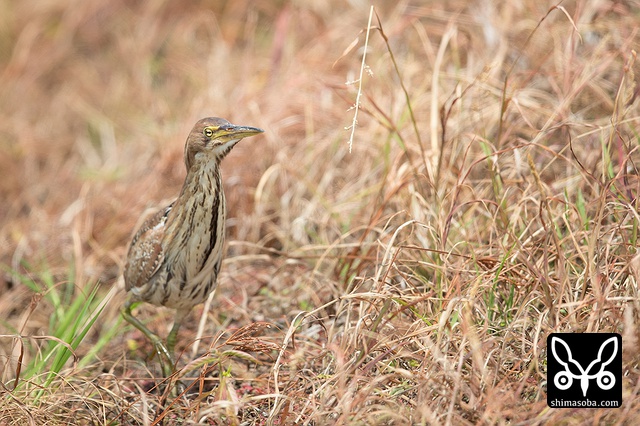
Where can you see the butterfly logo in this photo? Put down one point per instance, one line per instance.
(595, 370)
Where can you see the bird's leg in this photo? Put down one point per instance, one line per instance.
(172, 338)
(164, 355)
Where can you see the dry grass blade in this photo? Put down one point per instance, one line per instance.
(247, 339)
(363, 66)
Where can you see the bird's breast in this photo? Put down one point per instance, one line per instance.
(195, 234)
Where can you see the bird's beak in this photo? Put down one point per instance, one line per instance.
(238, 132)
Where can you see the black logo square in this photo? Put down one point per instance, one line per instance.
(584, 370)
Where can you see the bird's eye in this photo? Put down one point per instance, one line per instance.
(208, 132)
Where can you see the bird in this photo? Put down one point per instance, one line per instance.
(174, 257)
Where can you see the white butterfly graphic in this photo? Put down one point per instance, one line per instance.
(564, 379)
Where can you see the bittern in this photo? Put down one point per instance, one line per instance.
(174, 258)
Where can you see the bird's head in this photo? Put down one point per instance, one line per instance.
(212, 138)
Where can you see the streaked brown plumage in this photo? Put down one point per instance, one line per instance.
(174, 258)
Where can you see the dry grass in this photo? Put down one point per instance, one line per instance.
(414, 280)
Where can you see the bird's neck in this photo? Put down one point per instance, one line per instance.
(195, 226)
(192, 157)
(202, 176)
(201, 202)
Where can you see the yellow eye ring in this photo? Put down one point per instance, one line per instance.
(208, 132)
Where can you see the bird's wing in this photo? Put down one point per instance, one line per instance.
(145, 254)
